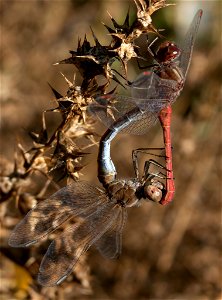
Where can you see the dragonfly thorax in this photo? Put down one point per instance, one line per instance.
(171, 72)
(124, 192)
(127, 193)
(168, 68)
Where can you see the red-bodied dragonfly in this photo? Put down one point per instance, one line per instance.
(152, 95)
(103, 214)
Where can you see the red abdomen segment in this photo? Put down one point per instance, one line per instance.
(165, 120)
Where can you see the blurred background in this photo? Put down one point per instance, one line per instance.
(171, 252)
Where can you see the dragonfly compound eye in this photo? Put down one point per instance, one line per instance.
(167, 52)
(153, 193)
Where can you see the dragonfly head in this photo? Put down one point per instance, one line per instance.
(167, 52)
(153, 190)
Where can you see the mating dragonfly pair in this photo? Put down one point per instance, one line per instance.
(103, 211)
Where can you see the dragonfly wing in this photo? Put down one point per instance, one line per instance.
(77, 199)
(110, 244)
(152, 93)
(142, 124)
(109, 108)
(122, 106)
(145, 86)
(65, 251)
(188, 43)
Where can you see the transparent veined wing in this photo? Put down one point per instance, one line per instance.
(141, 124)
(119, 111)
(110, 243)
(150, 94)
(65, 251)
(188, 42)
(77, 199)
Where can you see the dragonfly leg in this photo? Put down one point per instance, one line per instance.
(159, 174)
(154, 162)
(135, 163)
(147, 173)
(145, 150)
(135, 153)
(145, 67)
(113, 70)
(152, 54)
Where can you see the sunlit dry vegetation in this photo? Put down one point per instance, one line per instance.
(48, 140)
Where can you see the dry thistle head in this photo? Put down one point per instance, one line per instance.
(91, 61)
(145, 8)
(67, 155)
(123, 36)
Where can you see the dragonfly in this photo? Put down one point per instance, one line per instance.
(152, 95)
(102, 212)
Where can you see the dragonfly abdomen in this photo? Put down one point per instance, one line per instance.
(106, 168)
